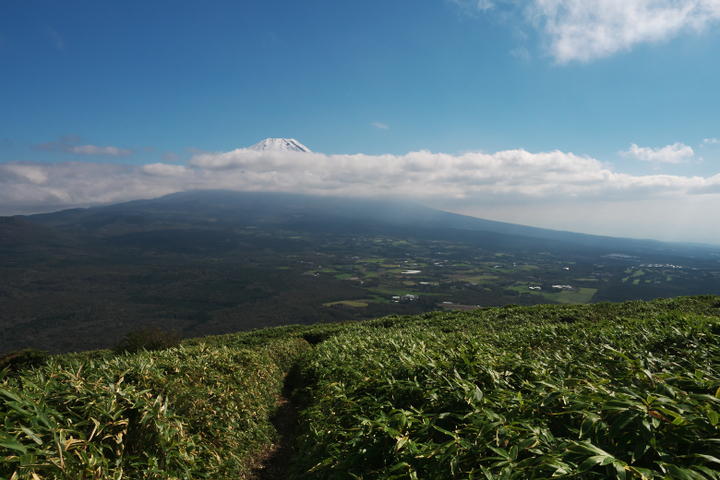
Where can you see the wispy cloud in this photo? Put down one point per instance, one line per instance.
(195, 151)
(472, 6)
(170, 156)
(520, 52)
(66, 144)
(709, 141)
(100, 151)
(585, 30)
(676, 153)
(590, 29)
(381, 126)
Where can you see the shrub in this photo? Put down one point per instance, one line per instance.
(22, 359)
(149, 339)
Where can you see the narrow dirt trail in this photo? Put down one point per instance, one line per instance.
(273, 463)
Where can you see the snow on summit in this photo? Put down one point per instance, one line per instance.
(282, 144)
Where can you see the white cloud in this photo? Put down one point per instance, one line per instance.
(585, 30)
(381, 126)
(709, 141)
(35, 174)
(513, 176)
(32, 186)
(588, 29)
(676, 153)
(473, 182)
(163, 170)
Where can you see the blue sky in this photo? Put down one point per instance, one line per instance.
(593, 116)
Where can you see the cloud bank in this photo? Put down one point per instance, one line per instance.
(532, 185)
(514, 175)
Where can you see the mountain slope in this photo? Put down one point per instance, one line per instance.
(347, 214)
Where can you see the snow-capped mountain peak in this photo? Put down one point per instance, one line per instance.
(282, 144)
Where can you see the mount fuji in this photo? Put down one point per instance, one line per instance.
(280, 144)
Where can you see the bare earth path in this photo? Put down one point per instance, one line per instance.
(273, 463)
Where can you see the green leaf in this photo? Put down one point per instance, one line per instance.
(619, 424)
(639, 451)
(645, 473)
(587, 424)
(32, 435)
(10, 442)
(399, 465)
(620, 469)
(703, 396)
(620, 405)
(487, 473)
(710, 473)
(501, 451)
(713, 417)
(513, 452)
(709, 458)
(589, 463)
(587, 447)
(505, 474)
(681, 473)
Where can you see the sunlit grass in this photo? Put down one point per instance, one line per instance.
(579, 391)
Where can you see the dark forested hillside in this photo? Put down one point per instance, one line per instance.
(217, 262)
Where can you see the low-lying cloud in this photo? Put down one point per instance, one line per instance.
(516, 175)
(470, 183)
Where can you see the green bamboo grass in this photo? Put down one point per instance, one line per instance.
(189, 412)
(627, 390)
(518, 397)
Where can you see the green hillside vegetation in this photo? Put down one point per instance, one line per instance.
(627, 390)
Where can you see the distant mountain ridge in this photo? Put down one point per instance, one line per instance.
(280, 144)
(295, 211)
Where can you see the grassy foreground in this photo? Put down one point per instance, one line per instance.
(626, 390)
